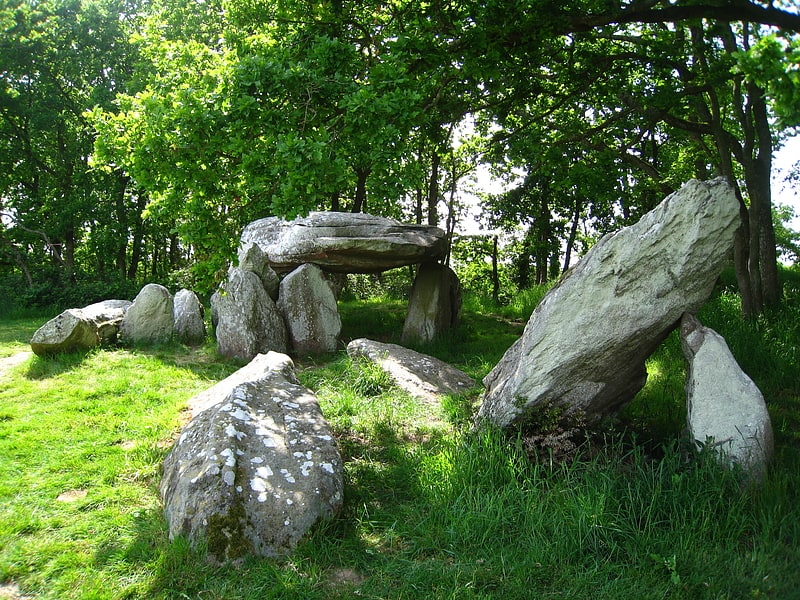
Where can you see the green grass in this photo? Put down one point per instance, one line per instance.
(432, 509)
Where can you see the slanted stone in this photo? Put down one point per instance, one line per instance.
(586, 343)
(434, 306)
(725, 409)
(256, 468)
(80, 329)
(247, 320)
(150, 318)
(189, 326)
(308, 306)
(70, 331)
(252, 258)
(344, 242)
(422, 376)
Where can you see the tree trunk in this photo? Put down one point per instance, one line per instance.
(573, 233)
(138, 237)
(433, 190)
(360, 200)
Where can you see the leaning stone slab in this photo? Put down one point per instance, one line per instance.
(79, 329)
(344, 242)
(150, 319)
(725, 408)
(256, 468)
(309, 309)
(585, 345)
(253, 259)
(422, 376)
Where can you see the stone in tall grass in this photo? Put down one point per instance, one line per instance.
(585, 345)
(726, 411)
(255, 468)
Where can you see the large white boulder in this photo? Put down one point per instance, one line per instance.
(584, 347)
(725, 409)
(255, 468)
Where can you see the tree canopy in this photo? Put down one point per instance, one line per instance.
(147, 134)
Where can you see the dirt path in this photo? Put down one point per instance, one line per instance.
(12, 361)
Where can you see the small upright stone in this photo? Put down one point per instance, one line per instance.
(189, 327)
(308, 306)
(435, 304)
(150, 319)
(725, 408)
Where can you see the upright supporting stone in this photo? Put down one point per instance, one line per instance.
(726, 410)
(189, 328)
(435, 304)
(308, 306)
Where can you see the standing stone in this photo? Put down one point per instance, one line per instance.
(308, 305)
(150, 319)
(725, 408)
(256, 468)
(435, 304)
(189, 327)
(585, 345)
(252, 258)
(247, 320)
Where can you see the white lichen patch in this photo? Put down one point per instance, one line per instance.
(288, 476)
(229, 477)
(230, 461)
(258, 485)
(264, 471)
(240, 415)
(231, 431)
(257, 460)
(327, 467)
(305, 468)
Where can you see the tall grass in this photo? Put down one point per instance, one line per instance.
(432, 508)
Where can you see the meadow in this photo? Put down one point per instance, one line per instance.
(433, 509)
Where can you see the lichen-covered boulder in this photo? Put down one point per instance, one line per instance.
(308, 305)
(255, 468)
(726, 411)
(435, 304)
(344, 242)
(247, 321)
(585, 345)
(150, 319)
(189, 325)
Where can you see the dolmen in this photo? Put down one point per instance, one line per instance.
(584, 348)
(279, 296)
(255, 468)
(154, 316)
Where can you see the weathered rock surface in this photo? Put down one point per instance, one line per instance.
(435, 304)
(422, 376)
(189, 326)
(256, 468)
(247, 320)
(344, 242)
(79, 329)
(308, 306)
(725, 408)
(584, 346)
(252, 258)
(150, 318)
